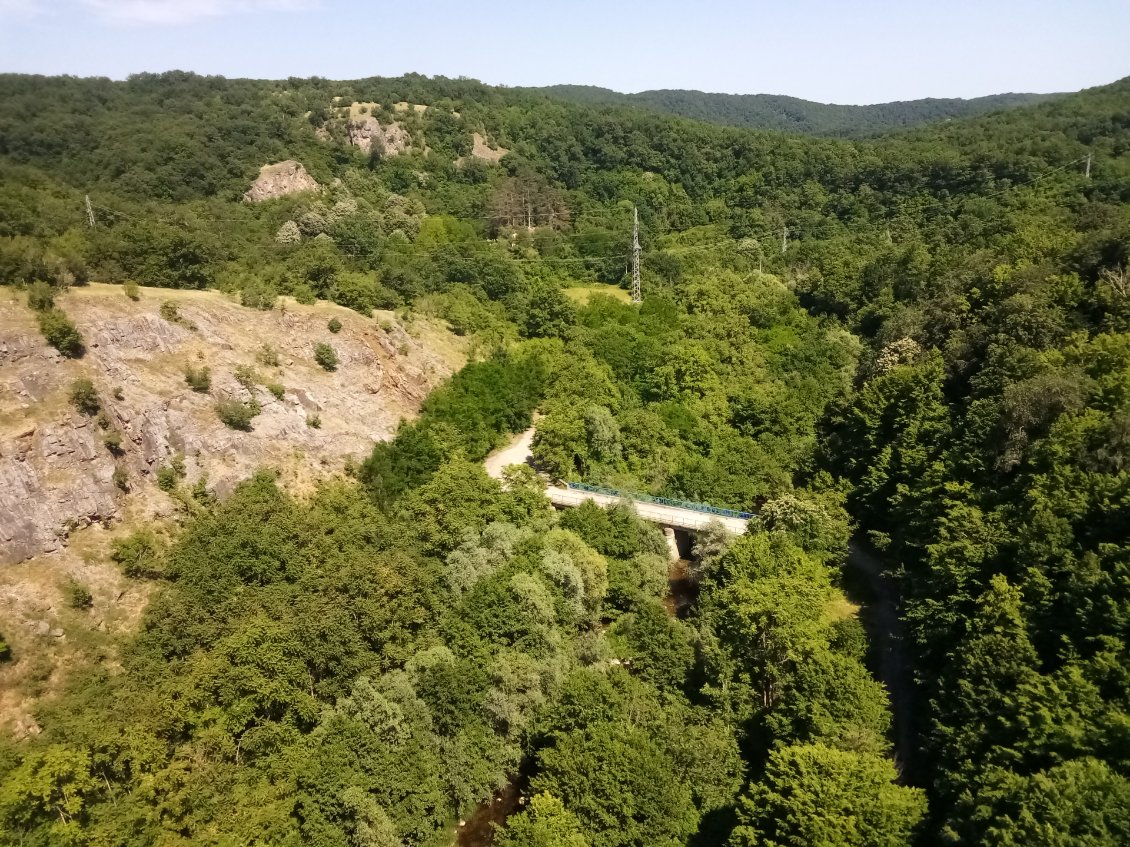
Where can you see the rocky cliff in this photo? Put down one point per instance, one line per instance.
(390, 139)
(56, 471)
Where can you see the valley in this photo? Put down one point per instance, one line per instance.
(278, 359)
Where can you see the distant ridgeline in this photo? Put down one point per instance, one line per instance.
(791, 114)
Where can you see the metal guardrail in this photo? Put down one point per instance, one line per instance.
(640, 497)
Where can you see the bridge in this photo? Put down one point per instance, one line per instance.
(673, 514)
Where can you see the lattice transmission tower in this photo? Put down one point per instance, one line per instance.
(637, 296)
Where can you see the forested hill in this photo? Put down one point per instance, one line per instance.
(919, 344)
(791, 114)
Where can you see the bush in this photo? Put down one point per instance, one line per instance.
(131, 290)
(102, 419)
(167, 475)
(166, 478)
(139, 554)
(314, 420)
(60, 333)
(258, 295)
(170, 313)
(199, 379)
(268, 356)
(84, 397)
(245, 375)
(5, 650)
(78, 595)
(325, 356)
(276, 390)
(113, 441)
(334, 325)
(236, 414)
(201, 493)
(40, 297)
(121, 478)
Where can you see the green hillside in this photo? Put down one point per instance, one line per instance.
(910, 356)
(791, 114)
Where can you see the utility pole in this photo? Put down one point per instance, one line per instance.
(637, 296)
(1087, 175)
(89, 213)
(784, 240)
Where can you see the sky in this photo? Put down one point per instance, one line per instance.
(866, 51)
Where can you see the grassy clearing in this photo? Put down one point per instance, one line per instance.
(581, 294)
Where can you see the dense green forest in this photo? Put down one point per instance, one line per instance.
(791, 114)
(920, 342)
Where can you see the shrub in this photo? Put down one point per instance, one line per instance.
(334, 325)
(166, 478)
(5, 650)
(201, 493)
(60, 333)
(325, 356)
(131, 290)
(139, 554)
(40, 297)
(258, 295)
(170, 313)
(84, 397)
(268, 356)
(121, 478)
(167, 475)
(245, 375)
(314, 420)
(102, 419)
(236, 414)
(78, 595)
(113, 441)
(199, 379)
(276, 390)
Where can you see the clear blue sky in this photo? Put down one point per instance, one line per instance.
(828, 50)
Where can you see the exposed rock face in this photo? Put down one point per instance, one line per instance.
(280, 179)
(391, 139)
(481, 150)
(56, 473)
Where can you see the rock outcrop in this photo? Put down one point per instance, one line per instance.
(56, 470)
(278, 180)
(390, 139)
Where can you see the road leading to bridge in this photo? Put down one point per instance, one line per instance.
(517, 452)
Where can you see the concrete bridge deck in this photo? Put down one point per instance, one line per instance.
(518, 453)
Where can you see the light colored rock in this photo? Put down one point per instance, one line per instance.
(481, 150)
(56, 475)
(280, 179)
(391, 139)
